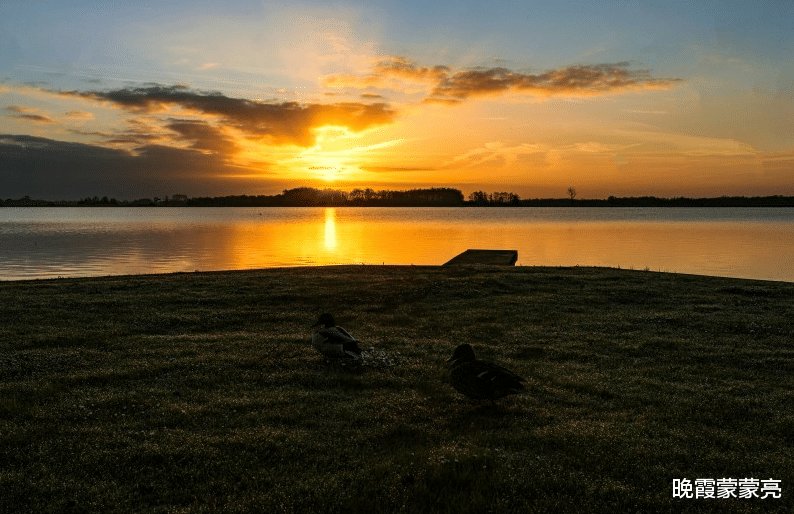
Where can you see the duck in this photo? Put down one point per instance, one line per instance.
(481, 380)
(334, 342)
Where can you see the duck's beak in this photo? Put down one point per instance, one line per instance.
(316, 324)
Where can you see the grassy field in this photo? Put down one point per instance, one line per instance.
(201, 392)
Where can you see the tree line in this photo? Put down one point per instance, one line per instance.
(432, 197)
(311, 197)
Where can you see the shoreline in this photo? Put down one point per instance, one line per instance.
(398, 266)
(550, 205)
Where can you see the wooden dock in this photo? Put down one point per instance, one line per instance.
(485, 257)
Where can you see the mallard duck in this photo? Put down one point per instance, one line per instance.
(334, 342)
(481, 380)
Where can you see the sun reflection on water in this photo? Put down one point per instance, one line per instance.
(330, 228)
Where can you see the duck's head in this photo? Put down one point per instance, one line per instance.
(462, 353)
(324, 321)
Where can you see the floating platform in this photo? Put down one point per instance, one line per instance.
(484, 257)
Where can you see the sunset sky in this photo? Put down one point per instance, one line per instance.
(141, 99)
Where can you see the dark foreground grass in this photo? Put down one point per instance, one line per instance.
(200, 392)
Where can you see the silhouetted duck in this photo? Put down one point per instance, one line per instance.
(481, 380)
(333, 342)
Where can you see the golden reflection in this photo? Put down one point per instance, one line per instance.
(354, 236)
(330, 228)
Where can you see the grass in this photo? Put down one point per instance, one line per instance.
(200, 392)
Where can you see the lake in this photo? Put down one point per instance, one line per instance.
(71, 242)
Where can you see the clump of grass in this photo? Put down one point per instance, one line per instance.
(200, 392)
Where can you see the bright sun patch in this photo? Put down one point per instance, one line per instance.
(332, 157)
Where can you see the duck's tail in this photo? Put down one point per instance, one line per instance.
(373, 358)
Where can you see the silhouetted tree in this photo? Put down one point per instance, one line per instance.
(503, 198)
(479, 198)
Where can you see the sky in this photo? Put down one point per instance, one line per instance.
(143, 99)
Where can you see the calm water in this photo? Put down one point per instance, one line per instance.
(52, 242)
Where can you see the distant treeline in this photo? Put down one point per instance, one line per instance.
(433, 197)
(652, 201)
(311, 197)
(298, 197)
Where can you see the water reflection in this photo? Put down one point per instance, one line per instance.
(330, 228)
(40, 243)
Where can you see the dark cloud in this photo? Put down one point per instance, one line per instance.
(398, 66)
(450, 87)
(46, 168)
(279, 123)
(97, 133)
(133, 140)
(38, 118)
(572, 80)
(203, 136)
(130, 138)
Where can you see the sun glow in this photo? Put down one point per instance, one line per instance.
(332, 157)
(337, 155)
(328, 170)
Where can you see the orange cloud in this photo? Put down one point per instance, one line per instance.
(80, 115)
(279, 123)
(29, 114)
(386, 71)
(392, 169)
